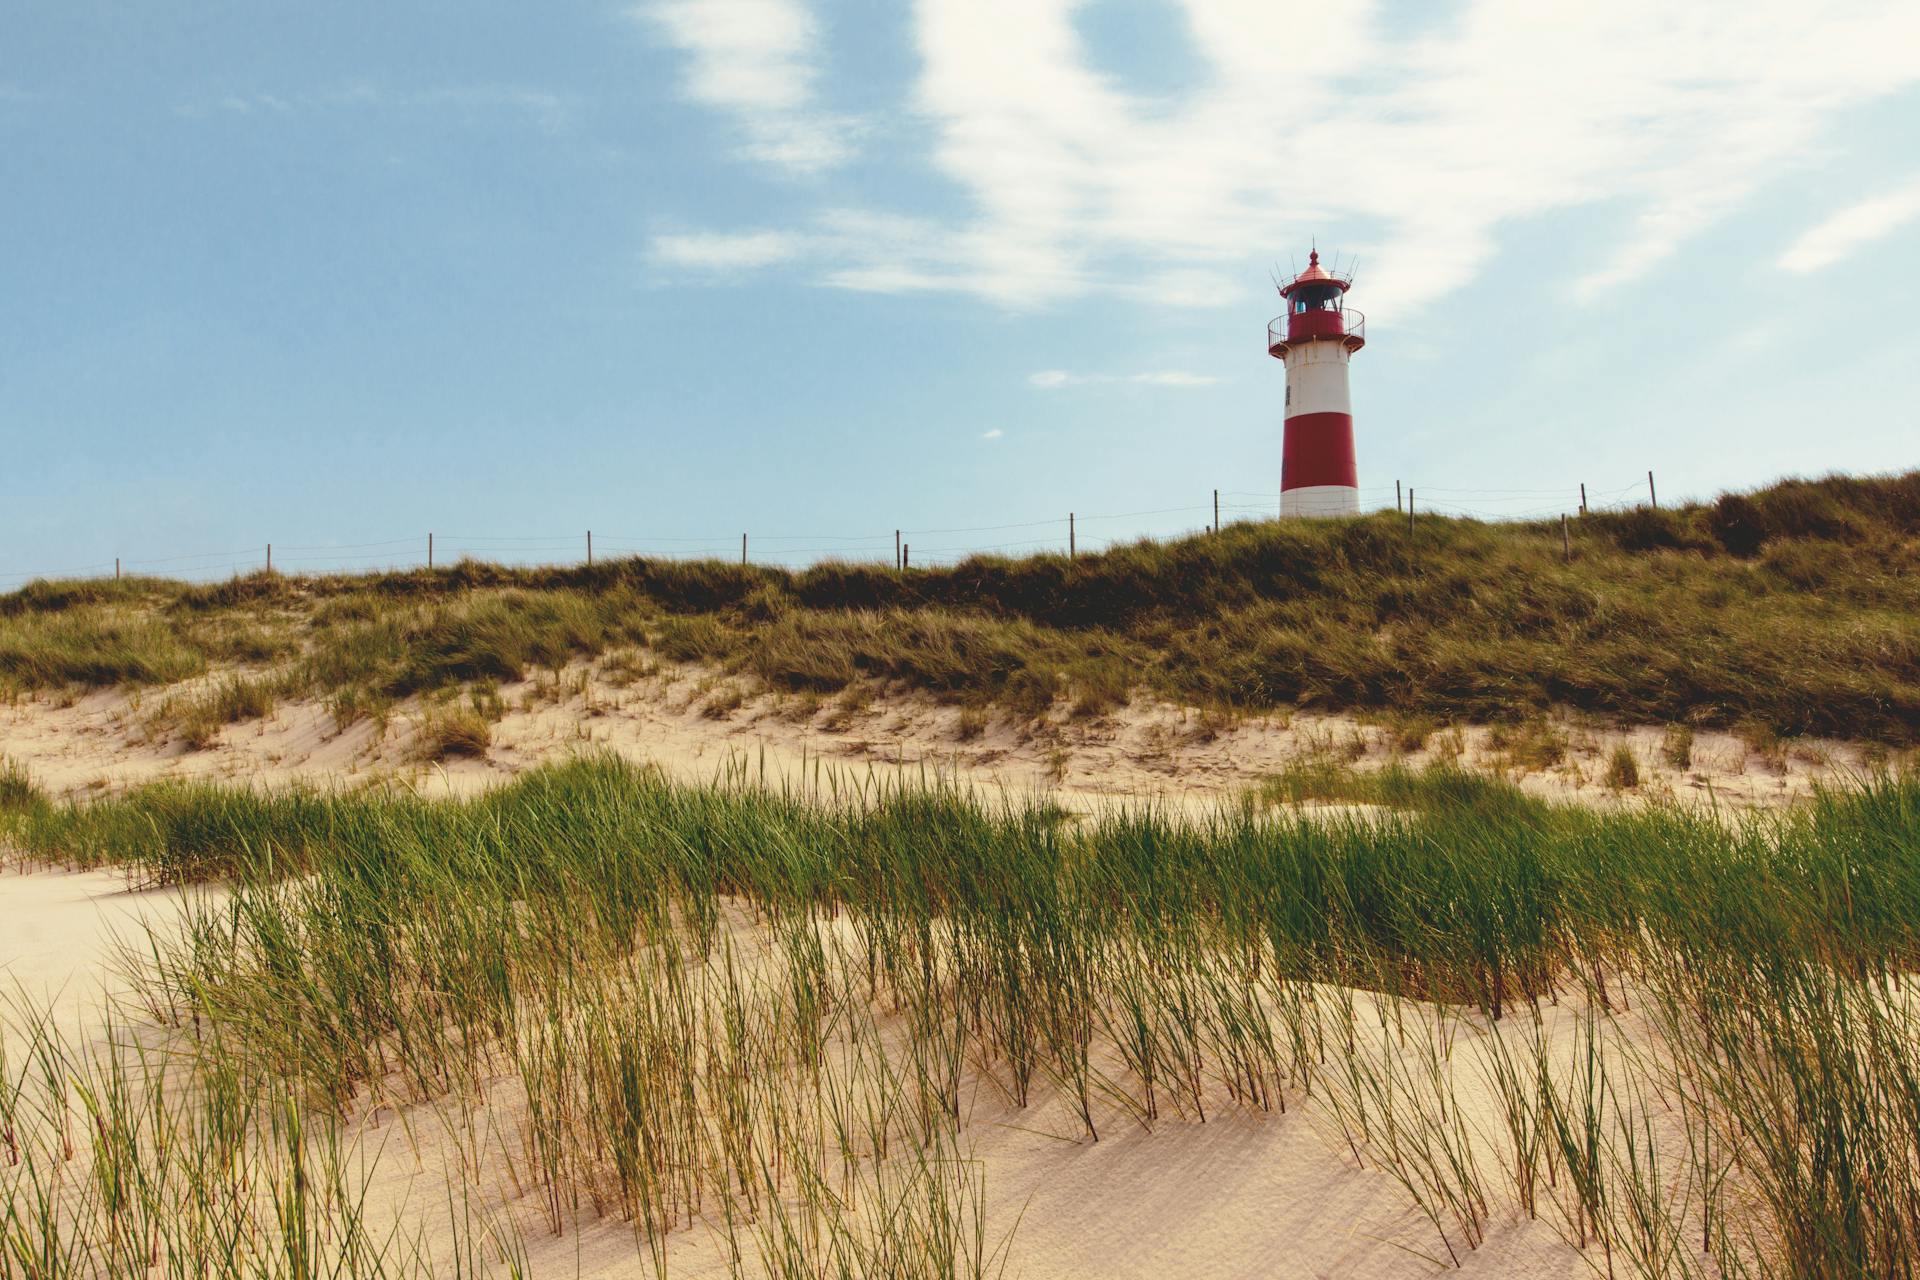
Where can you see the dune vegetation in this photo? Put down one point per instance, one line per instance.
(1789, 609)
(778, 1024)
(773, 1014)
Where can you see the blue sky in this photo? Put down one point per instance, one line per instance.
(334, 275)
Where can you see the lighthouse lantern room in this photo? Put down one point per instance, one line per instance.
(1316, 339)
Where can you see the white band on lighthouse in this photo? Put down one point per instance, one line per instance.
(1320, 500)
(1317, 379)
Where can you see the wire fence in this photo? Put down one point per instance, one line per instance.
(921, 548)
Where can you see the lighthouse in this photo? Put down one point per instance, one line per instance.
(1316, 339)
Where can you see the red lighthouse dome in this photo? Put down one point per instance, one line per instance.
(1316, 309)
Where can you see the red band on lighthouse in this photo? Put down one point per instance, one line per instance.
(1318, 451)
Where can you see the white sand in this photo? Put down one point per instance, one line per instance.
(61, 933)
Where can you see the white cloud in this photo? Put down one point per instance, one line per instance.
(757, 60)
(1853, 228)
(1055, 379)
(993, 433)
(721, 251)
(1415, 150)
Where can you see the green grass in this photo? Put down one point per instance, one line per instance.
(766, 1009)
(1788, 609)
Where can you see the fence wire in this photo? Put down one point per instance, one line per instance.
(800, 550)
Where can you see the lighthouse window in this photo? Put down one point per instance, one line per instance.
(1317, 298)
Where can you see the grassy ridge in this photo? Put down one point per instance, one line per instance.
(580, 932)
(1790, 607)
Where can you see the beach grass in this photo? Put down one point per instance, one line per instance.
(775, 1010)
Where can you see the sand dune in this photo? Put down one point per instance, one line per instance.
(698, 725)
(1238, 1194)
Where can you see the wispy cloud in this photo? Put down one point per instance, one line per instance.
(721, 251)
(992, 433)
(757, 60)
(1056, 379)
(549, 111)
(1417, 150)
(234, 104)
(1852, 229)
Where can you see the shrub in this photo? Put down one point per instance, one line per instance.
(17, 790)
(487, 702)
(1623, 769)
(1531, 745)
(1408, 732)
(1763, 741)
(1736, 521)
(1676, 747)
(457, 732)
(723, 702)
(230, 701)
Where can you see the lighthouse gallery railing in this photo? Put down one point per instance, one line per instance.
(1324, 322)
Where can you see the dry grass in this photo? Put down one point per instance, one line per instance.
(1676, 746)
(450, 733)
(1531, 746)
(1623, 769)
(726, 699)
(1408, 733)
(199, 717)
(1763, 743)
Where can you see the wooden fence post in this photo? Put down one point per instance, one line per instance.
(899, 551)
(1398, 499)
(1409, 509)
(1652, 496)
(1583, 497)
(269, 557)
(1072, 554)
(429, 553)
(743, 548)
(1566, 544)
(1216, 511)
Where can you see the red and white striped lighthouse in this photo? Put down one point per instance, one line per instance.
(1317, 338)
